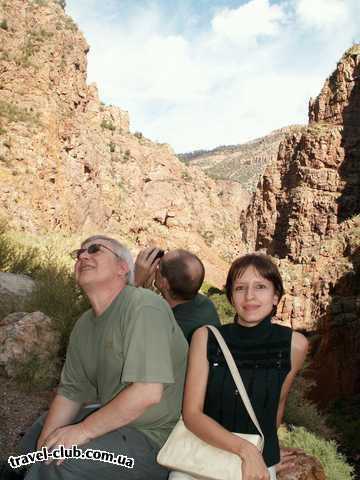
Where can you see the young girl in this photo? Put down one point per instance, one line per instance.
(268, 357)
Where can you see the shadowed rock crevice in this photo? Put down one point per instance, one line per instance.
(339, 348)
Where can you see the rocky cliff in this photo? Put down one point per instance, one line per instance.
(69, 163)
(313, 185)
(306, 212)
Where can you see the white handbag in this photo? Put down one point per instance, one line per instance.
(185, 452)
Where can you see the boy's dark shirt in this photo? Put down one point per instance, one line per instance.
(195, 313)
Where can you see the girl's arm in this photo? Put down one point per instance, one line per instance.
(202, 425)
(299, 349)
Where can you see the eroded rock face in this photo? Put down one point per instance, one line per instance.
(14, 290)
(69, 163)
(25, 336)
(305, 212)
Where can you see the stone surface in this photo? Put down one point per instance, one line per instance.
(24, 336)
(14, 290)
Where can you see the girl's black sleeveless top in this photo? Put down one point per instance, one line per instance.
(262, 355)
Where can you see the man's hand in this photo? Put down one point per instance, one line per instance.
(287, 459)
(67, 436)
(145, 267)
(61, 413)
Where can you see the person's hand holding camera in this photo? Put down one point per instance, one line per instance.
(146, 264)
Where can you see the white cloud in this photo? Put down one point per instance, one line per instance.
(252, 70)
(250, 20)
(323, 14)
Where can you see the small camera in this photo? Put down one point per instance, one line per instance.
(159, 254)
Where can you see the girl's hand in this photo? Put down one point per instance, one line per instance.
(253, 465)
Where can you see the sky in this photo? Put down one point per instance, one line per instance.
(202, 73)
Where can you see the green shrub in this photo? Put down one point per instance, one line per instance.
(126, 155)
(4, 25)
(333, 462)
(208, 235)
(40, 3)
(108, 124)
(57, 295)
(343, 415)
(62, 3)
(40, 35)
(28, 50)
(225, 310)
(13, 113)
(186, 176)
(70, 24)
(301, 412)
(16, 258)
(5, 56)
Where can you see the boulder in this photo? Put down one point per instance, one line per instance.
(25, 336)
(14, 290)
(306, 468)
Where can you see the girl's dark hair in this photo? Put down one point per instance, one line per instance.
(263, 264)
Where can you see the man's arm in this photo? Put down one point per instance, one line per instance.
(61, 412)
(128, 405)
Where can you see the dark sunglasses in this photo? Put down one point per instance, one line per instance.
(93, 248)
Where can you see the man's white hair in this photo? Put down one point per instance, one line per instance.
(121, 251)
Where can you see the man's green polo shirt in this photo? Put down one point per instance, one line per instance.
(136, 339)
(195, 313)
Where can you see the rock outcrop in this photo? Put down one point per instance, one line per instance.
(14, 291)
(24, 338)
(69, 163)
(305, 212)
(305, 468)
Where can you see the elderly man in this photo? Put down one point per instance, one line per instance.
(127, 353)
(178, 276)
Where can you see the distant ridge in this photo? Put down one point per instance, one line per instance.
(243, 163)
